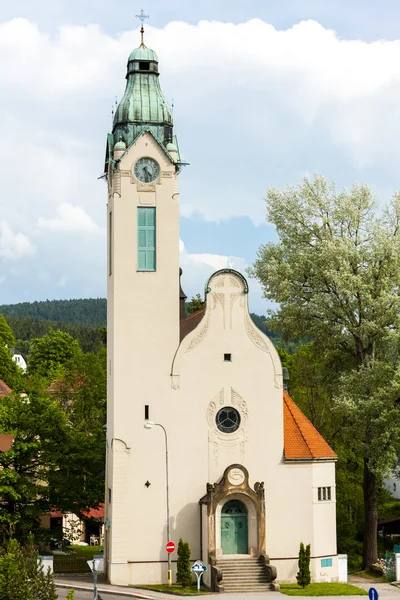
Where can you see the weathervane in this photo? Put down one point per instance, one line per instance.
(142, 17)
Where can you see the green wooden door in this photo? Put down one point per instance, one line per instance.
(234, 537)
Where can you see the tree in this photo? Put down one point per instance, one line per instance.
(50, 352)
(195, 304)
(6, 335)
(335, 274)
(183, 573)
(14, 574)
(41, 430)
(78, 483)
(304, 576)
(9, 372)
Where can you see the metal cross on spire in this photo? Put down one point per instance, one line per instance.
(142, 17)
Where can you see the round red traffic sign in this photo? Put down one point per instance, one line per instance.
(170, 547)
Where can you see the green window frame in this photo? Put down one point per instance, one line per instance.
(146, 236)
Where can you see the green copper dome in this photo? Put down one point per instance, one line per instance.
(143, 53)
(143, 105)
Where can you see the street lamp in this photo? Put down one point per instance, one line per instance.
(150, 425)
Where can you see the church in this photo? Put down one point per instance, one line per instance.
(203, 441)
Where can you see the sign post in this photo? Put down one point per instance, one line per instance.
(94, 567)
(198, 568)
(373, 594)
(170, 547)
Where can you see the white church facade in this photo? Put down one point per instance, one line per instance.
(249, 477)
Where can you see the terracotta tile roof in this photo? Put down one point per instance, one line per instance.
(4, 389)
(95, 513)
(6, 442)
(190, 322)
(302, 440)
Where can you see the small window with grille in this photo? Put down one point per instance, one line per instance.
(324, 493)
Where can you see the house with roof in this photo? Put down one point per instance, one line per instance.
(203, 442)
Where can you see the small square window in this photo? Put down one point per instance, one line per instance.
(144, 66)
(228, 357)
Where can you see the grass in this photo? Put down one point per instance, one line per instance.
(322, 589)
(85, 551)
(175, 589)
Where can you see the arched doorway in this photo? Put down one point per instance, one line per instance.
(234, 530)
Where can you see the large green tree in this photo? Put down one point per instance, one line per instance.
(50, 353)
(9, 371)
(335, 274)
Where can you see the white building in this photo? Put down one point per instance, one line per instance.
(249, 476)
(19, 360)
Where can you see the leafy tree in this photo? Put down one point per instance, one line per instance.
(304, 576)
(335, 274)
(183, 574)
(9, 372)
(51, 352)
(40, 428)
(6, 335)
(79, 480)
(195, 304)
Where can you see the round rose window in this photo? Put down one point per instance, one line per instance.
(228, 419)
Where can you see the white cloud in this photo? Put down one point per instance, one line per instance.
(13, 246)
(71, 219)
(254, 107)
(197, 268)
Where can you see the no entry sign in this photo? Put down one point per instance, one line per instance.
(170, 547)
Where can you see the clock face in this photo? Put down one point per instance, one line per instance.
(146, 170)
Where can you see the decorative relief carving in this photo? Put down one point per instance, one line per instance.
(221, 396)
(166, 173)
(144, 187)
(116, 183)
(236, 476)
(240, 404)
(175, 382)
(221, 298)
(220, 282)
(253, 335)
(200, 336)
(233, 282)
(125, 173)
(216, 453)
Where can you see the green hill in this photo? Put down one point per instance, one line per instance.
(84, 311)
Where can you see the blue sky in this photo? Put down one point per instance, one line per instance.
(265, 93)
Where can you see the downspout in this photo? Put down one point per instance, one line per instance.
(201, 530)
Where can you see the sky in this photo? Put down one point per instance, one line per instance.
(264, 93)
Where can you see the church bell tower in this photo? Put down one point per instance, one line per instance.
(142, 166)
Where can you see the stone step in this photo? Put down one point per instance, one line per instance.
(247, 588)
(237, 574)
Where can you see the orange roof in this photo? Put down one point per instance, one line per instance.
(4, 389)
(302, 440)
(95, 513)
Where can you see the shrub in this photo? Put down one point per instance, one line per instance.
(304, 576)
(183, 573)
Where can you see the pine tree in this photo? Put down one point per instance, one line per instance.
(304, 576)
(183, 573)
(14, 574)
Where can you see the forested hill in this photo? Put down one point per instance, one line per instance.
(88, 311)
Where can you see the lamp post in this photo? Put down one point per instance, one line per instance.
(150, 425)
